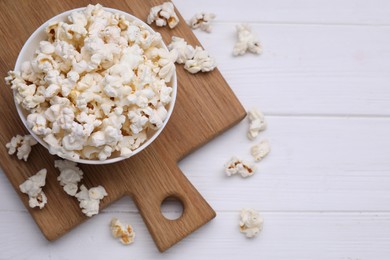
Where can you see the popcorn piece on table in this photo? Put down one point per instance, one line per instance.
(184, 50)
(200, 62)
(260, 150)
(166, 61)
(235, 165)
(256, 123)
(247, 41)
(70, 175)
(202, 21)
(251, 222)
(125, 233)
(33, 188)
(21, 144)
(87, 80)
(90, 199)
(162, 15)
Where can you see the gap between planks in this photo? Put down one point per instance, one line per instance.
(281, 212)
(222, 22)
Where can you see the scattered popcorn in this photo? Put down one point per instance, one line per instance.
(90, 199)
(235, 165)
(251, 222)
(33, 188)
(162, 15)
(21, 144)
(96, 84)
(184, 50)
(256, 123)
(200, 62)
(202, 21)
(70, 175)
(125, 234)
(260, 150)
(247, 41)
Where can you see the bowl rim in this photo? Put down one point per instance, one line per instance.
(61, 17)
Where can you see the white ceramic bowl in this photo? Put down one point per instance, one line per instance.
(27, 53)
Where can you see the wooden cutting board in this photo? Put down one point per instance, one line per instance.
(205, 107)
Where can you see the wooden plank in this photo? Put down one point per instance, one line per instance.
(375, 12)
(149, 177)
(305, 236)
(309, 70)
(341, 163)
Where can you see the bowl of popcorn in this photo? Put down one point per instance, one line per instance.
(94, 85)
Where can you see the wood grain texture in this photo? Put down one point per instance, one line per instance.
(317, 204)
(286, 235)
(344, 72)
(148, 177)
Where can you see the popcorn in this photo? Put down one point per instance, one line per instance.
(14, 144)
(256, 123)
(200, 62)
(21, 144)
(95, 80)
(90, 199)
(260, 150)
(70, 175)
(162, 15)
(235, 165)
(194, 60)
(125, 233)
(130, 143)
(166, 61)
(38, 124)
(247, 41)
(202, 21)
(33, 188)
(184, 50)
(251, 222)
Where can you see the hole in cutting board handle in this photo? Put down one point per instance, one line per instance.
(172, 208)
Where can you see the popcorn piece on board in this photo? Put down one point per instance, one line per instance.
(90, 83)
(90, 199)
(202, 21)
(21, 144)
(251, 222)
(33, 188)
(162, 15)
(236, 165)
(200, 62)
(70, 175)
(260, 150)
(247, 41)
(184, 50)
(125, 233)
(256, 123)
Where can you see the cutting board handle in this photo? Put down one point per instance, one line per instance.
(166, 183)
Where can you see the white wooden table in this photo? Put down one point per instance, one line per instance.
(323, 83)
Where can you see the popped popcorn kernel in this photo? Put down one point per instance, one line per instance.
(247, 41)
(257, 123)
(202, 21)
(163, 14)
(125, 233)
(236, 165)
(33, 188)
(90, 199)
(201, 61)
(184, 50)
(21, 145)
(70, 176)
(260, 150)
(251, 222)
